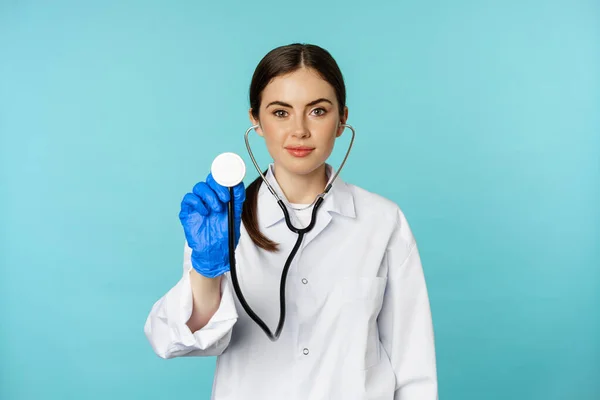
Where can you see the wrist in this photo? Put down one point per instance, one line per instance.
(208, 268)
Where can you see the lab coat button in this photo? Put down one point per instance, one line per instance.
(304, 280)
(305, 351)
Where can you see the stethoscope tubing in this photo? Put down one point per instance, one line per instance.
(288, 263)
(301, 233)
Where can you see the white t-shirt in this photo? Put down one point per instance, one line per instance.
(303, 213)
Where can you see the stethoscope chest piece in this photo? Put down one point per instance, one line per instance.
(228, 169)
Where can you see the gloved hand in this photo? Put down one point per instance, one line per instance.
(204, 218)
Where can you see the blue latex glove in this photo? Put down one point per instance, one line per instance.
(204, 219)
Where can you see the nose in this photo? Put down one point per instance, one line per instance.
(300, 129)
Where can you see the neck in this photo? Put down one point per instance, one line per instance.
(301, 189)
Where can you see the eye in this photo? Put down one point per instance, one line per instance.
(319, 111)
(280, 113)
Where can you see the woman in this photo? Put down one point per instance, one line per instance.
(358, 322)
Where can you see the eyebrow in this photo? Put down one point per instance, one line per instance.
(312, 103)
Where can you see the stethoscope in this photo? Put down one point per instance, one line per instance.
(228, 169)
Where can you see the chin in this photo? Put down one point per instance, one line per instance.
(299, 166)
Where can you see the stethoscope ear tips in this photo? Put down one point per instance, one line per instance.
(228, 169)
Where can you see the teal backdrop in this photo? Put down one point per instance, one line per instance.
(481, 119)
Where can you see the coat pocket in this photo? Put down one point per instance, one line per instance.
(362, 299)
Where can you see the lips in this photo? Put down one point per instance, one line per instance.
(299, 151)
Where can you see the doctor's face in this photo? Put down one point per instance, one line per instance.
(299, 118)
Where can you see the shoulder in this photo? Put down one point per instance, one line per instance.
(381, 211)
(374, 205)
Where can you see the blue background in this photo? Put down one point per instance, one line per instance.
(479, 118)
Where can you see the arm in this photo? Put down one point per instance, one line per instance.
(168, 325)
(405, 323)
(206, 297)
(196, 317)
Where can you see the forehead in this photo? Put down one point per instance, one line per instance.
(301, 86)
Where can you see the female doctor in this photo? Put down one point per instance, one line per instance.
(358, 322)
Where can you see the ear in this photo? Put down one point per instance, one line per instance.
(255, 121)
(343, 120)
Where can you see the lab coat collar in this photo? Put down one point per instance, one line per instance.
(339, 199)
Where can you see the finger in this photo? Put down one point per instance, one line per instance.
(239, 196)
(208, 196)
(239, 193)
(191, 203)
(220, 190)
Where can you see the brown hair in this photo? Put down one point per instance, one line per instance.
(280, 61)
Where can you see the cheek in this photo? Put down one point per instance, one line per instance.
(330, 145)
(269, 126)
(272, 134)
(327, 132)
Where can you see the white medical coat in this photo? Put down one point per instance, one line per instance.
(358, 322)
